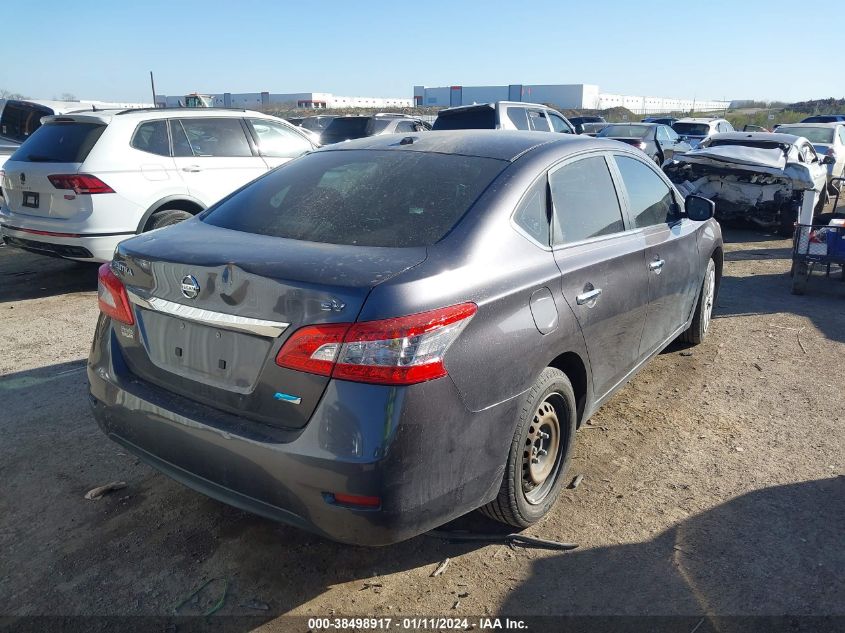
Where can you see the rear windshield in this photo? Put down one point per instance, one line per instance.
(20, 120)
(60, 143)
(757, 143)
(812, 134)
(630, 131)
(360, 197)
(479, 119)
(348, 127)
(823, 118)
(694, 129)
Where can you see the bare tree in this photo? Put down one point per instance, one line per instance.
(69, 96)
(7, 94)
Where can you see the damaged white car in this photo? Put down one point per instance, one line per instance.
(770, 180)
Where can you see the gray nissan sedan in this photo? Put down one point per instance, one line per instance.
(385, 334)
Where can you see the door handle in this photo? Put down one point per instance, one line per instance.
(656, 265)
(588, 298)
(192, 168)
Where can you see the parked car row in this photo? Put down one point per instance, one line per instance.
(302, 312)
(659, 142)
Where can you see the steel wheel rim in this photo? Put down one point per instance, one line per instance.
(710, 289)
(542, 454)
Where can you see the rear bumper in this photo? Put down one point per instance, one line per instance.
(416, 448)
(97, 247)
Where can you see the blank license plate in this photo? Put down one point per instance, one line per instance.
(30, 199)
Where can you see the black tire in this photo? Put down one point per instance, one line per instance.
(800, 275)
(697, 331)
(656, 159)
(167, 217)
(522, 501)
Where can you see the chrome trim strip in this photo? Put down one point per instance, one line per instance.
(222, 320)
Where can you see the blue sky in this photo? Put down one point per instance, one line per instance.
(710, 50)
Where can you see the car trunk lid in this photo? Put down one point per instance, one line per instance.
(210, 322)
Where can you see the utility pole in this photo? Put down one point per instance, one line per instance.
(153, 86)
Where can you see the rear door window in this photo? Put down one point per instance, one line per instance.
(585, 201)
(650, 199)
(377, 126)
(152, 137)
(360, 197)
(405, 126)
(519, 117)
(537, 120)
(60, 142)
(277, 141)
(210, 137)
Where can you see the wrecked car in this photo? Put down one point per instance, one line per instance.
(770, 180)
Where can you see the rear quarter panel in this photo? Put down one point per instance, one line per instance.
(487, 261)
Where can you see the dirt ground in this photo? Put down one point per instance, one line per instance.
(713, 485)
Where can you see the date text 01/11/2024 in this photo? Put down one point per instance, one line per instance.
(416, 624)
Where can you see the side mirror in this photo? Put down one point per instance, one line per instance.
(828, 160)
(699, 208)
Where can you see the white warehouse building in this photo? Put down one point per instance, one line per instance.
(571, 96)
(317, 100)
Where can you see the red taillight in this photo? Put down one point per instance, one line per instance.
(313, 348)
(356, 500)
(80, 183)
(399, 351)
(112, 297)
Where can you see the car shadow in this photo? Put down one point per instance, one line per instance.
(748, 235)
(771, 292)
(30, 276)
(774, 551)
(155, 540)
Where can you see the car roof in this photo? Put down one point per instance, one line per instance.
(491, 105)
(826, 125)
(699, 119)
(771, 137)
(505, 145)
(106, 116)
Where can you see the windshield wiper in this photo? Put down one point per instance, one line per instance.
(36, 158)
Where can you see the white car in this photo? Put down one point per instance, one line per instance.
(829, 140)
(694, 130)
(83, 182)
(768, 179)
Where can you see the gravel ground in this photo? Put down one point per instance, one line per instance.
(713, 485)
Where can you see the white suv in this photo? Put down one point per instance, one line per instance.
(693, 130)
(83, 182)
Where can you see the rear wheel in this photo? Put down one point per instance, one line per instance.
(697, 331)
(539, 453)
(167, 217)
